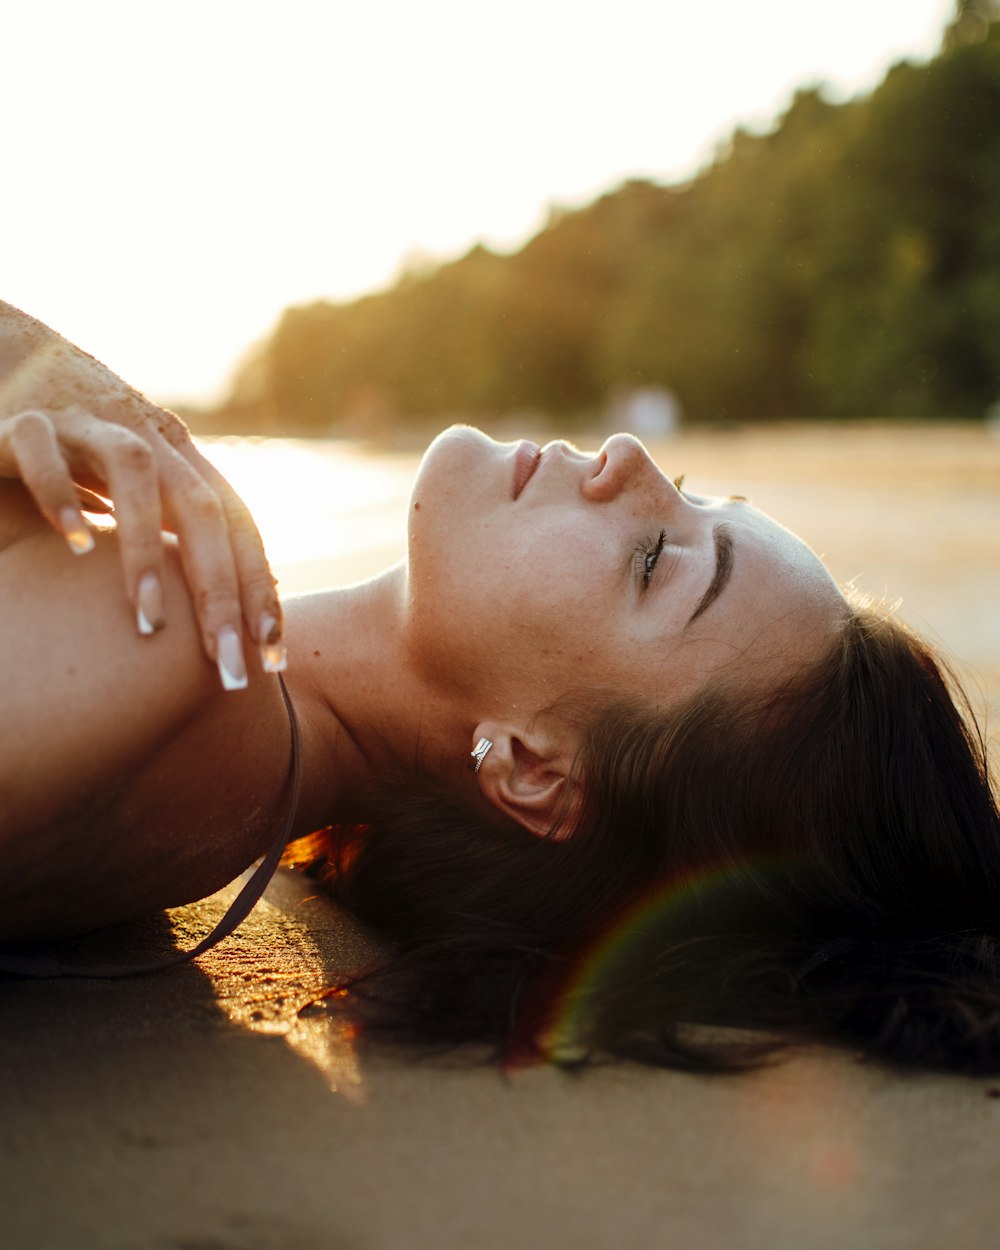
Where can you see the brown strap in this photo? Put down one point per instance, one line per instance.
(36, 965)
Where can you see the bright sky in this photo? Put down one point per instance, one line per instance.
(174, 175)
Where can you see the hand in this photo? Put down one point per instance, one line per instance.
(83, 427)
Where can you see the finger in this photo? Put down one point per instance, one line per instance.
(30, 450)
(197, 516)
(261, 608)
(128, 465)
(211, 555)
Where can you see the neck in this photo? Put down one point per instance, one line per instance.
(363, 711)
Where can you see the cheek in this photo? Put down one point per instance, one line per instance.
(553, 599)
(538, 605)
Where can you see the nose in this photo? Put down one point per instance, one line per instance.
(622, 462)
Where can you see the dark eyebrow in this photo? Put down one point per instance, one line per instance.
(723, 537)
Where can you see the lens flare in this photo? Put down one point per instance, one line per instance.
(563, 1039)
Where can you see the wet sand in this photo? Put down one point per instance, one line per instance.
(212, 1108)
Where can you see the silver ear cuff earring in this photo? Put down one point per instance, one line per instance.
(479, 752)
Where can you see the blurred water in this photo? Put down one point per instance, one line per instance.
(329, 512)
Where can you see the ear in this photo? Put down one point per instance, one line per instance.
(529, 777)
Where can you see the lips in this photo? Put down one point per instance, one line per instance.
(526, 460)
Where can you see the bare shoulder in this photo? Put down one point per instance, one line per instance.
(78, 682)
(19, 514)
(112, 744)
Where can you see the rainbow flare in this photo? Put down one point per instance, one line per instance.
(561, 1039)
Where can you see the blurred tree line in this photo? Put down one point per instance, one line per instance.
(845, 264)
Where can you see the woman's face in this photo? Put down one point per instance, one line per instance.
(534, 575)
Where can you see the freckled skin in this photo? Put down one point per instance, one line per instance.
(523, 601)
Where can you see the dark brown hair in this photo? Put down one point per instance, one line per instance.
(820, 862)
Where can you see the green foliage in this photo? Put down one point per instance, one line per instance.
(848, 263)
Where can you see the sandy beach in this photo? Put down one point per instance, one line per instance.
(221, 1106)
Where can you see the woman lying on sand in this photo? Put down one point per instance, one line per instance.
(597, 741)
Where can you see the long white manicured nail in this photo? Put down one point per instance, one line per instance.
(75, 531)
(273, 657)
(232, 666)
(149, 604)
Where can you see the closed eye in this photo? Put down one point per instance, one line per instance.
(645, 557)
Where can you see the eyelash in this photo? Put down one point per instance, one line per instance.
(647, 553)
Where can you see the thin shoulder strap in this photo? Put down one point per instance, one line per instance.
(36, 965)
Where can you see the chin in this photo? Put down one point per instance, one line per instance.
(453, 468)
(457, 448)
(458, 434)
